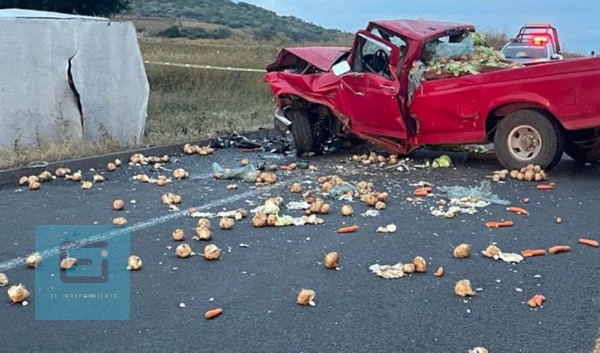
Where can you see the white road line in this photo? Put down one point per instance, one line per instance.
(206, 67)
(13, 263)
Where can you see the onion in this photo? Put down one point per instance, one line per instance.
(204, 223)
(18, 294)
(370, 199)
(67, 263)
(463, 288)
(3, 279)
(134, 262)
(33, 260)
(45, 176)
(180, 173)
(306, 297)
(380, 205)
(183, 251)
(420, 264)
(462, 251)
(383, 197)
(77, 176)
(271, 220)
(226, 223)
(332, 260)
(409, 268)
(119, 221)
(259, 220)
(62, 172)
(347, 210)
(296, 188)
(98, 178)
(118, 205)
(86, 185)
(111, 167)
(34, 186)
(178, 235)
(203, 234)
(212, 252)
(23, 180)
(491, 251)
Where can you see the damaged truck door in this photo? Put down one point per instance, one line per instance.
(369, 90)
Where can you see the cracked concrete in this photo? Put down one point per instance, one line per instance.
(69, 77)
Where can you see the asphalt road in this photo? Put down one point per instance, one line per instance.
(355, 310)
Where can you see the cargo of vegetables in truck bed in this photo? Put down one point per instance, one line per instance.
(532, 113)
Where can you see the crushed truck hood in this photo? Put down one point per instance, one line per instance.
(321, 57)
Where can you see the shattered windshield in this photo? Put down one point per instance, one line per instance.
(450, 46)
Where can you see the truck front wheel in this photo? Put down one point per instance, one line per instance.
(301, 130)
(528, 137)
(588, 151)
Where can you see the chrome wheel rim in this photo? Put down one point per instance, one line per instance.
(524, 143)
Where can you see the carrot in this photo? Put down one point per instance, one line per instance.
(545, 187)
(439, 272)
(211, 314)
(532, 253)
(421, 192)
(502, 224)
(536, 301)
(286, 168)
(518, 210)
(589, 242)
(348, 229)
(559, 248)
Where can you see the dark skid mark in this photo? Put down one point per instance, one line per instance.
(74, 89)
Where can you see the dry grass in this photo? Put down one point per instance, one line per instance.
(55, 151)
(190, 103)
(209, 52)
(597, 348)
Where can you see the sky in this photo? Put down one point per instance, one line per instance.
(578, 25)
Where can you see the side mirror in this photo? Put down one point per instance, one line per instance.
(341, 68)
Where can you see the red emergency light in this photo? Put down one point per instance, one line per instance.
(540, 40)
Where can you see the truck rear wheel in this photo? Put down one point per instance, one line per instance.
(301, 130)
(588, 151)
(528, 137)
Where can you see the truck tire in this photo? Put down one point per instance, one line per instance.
(301, 130)
(584, 152)
(528, 137)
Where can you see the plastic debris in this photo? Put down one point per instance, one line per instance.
(481, 193)
(390, 228)
(297, 205)
(370, 213)
(388, 271)
(338, 192)
(246, 173)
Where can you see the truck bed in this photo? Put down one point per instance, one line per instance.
(568, 89)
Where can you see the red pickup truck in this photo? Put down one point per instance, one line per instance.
(531, 113)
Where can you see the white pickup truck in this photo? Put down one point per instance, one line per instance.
(534, 43)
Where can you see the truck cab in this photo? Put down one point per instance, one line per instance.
(405, 84)
(534, 43)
